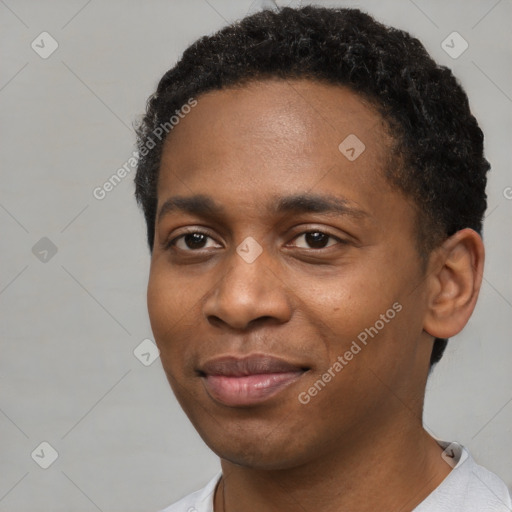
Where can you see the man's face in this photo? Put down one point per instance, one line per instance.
(331, 258)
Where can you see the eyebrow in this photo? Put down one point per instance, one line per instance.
(314, 203)
(200, 205)
(204, 206)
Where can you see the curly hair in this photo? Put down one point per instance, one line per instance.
(437, 156)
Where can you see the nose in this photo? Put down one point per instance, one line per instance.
(247, 294)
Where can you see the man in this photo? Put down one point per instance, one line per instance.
(314, 187)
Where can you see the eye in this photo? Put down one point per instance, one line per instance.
(192, 241)
(316, 240)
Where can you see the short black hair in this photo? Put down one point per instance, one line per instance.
(437, 156)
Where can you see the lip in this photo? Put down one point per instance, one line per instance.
(244, 381)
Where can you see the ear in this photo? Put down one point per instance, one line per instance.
(455, 276)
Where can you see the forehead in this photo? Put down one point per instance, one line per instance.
(291, 134)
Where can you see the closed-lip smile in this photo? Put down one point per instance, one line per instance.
(248, 380)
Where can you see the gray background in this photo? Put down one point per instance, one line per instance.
(69, 325)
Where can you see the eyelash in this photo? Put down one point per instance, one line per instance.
(172, 242)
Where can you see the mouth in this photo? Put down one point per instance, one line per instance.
(251, 380)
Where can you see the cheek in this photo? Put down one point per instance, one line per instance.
(167, 308)
(174, 301)
(364, 316)
(345, 303)
(166, 313)
(161, 306)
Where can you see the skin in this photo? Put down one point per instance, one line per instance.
(304, 302)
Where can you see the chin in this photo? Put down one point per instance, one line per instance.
(258, 458)
(263, 451)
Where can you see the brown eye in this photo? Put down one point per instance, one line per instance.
(315, 240)
(193, 241)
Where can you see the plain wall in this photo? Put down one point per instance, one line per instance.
(69, 325)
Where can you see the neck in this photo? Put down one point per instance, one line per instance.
(396, 470)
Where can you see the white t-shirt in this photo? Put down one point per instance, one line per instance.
(467, 488)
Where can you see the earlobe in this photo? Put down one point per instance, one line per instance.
(454, 280)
